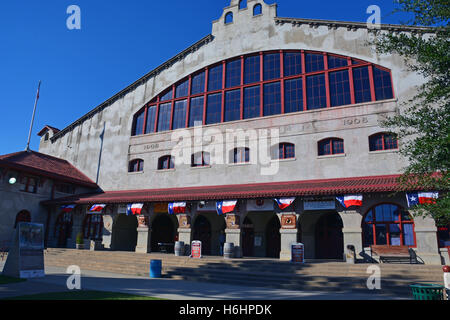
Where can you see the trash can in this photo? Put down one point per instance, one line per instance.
(155, 268)
(179, 248)
(426, 291)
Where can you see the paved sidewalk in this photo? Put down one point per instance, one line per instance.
(56, 278)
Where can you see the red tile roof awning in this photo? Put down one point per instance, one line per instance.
(328, 187)
(43, 165)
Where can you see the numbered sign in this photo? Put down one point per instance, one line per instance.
(196, 249)
(298, 253)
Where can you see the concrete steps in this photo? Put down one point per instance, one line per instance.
(325, 276)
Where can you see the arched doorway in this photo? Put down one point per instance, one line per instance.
(163, 231)
(22, 216)
(273, 238)
(93, 227)
(124, 233)
(248, 237)
(329, 237)
(63, 229)
(202, 232)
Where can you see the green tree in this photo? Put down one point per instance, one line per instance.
(423, 122)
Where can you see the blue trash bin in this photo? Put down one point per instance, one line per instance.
(155, 268)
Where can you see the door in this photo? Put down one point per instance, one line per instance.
(63, 229)
(273, 238)
(202, 232)
(248, 238)
(163, 231)
(329, 237)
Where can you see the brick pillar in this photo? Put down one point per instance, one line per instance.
(185, 231)
(143, 244)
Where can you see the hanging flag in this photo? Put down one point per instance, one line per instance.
(416, 198)
(224, 207)
(68, 208)
(97, 207)
(283, 203)
(134, 209)
(177, 207)
(349, 201)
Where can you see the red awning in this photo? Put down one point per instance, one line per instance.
(328, 187)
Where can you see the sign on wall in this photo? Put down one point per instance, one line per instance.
(319, 205)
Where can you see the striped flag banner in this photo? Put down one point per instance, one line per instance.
(283, 203)
(224, 207)
(97, 208)
(68, 208)
(134, 209)
(177, 207)
(350, 201)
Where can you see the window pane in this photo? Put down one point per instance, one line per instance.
(376, 142)
(233, 74)
(287, 151)
(198, 83)
(383, 85)
(316, 92)
(408, 234)
(380, 231)
(257, 10)
(151, 117)
(139, 124)
(233, 105)
(362, 85)
(251, 102)
(368, 235)
(394, 235)
(325, 147)
(293, 95)
(443, 236)
(271, 66)
(338, 146)
(251, 69)
(165, 111)
(215, 78)
(196, 111)
(206, 159)
(339, 88)
(167, 96)
(179, 115)
(390, 142)
(214, 108)
(314, 62)
(336, 62)
(292, 63)
(182, 89)
(272, 99)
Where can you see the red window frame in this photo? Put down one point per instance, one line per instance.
(136, 165)
(166, 163)
(241, 155)
(156, 101)
(286, 150)
(331, 148)
(400, 221)
(383, 146)
(204, 163)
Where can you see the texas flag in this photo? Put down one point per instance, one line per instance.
(135, 209)
(224, 207)
(352, 200)
(97, 207)
(421, 198)
(68, 208)
(177, 207)
(283, 203)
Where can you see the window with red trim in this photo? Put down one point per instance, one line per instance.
(286, 151)
(383, 141)
(200, 159)
(136, 165)
(241, 155)
(331, 146)
(443, 235)
(166, 162)
(388, 224)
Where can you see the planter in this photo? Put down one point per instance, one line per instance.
(80, 246)
(96, 245)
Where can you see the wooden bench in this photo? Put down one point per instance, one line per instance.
(393, 253)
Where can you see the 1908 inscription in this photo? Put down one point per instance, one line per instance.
(355, 121)
(152, 146)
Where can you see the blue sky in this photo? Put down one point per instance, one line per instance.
(119, 42)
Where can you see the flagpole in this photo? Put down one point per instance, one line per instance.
(32, 119)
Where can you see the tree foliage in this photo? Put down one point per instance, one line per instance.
(423, 124)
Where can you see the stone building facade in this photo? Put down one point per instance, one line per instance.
(302, 101)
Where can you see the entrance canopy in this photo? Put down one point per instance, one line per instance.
(328, 187)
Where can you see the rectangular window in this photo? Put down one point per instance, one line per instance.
(233, 105)
(151, 116)
(292, 64)
(272, 99)
(362, 84)
(214, 108)
(339, 88)
(233, 74)
(29, 184)
(316, 92)
(251, 69)
(380, 234)
(271, 66)
(165, 111)
(215, 78)
(139, 124)
(338, 146)
(336, 62)
(408, 234)
(182, 89)
(196, 112)
(252, 102)
(314, 62)
(383, 84)
(179, 115)
(198, 83)
(241, 155)
(293, 95)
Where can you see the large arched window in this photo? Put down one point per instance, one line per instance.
(331, 146)
(263, 84)
(388, 224)
(136, 165)
(286, 151)
(383, 141)
(166, 163)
